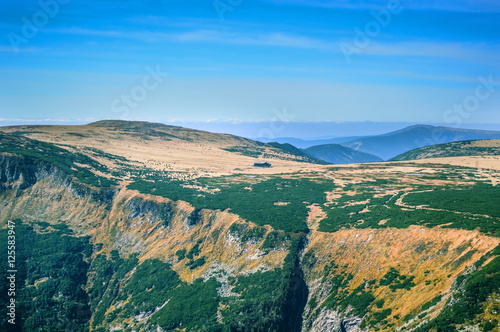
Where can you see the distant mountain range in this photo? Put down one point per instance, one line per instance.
(136, 226)
(390, 145)
(338, 154)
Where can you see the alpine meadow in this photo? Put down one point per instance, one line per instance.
(256, 165)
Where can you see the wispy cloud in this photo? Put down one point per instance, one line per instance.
(449, 50)
(268, 39)
(434, 49)
(208, 36)
(487, 6)
(10, 49)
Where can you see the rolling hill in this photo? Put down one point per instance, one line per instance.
(133, 226)
(389, 145)
(392, 144)
(338, 154)
(175, 149)
(454, 149)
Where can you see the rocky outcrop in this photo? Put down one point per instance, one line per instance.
(332, 321)
(21, 172)
(150, 210)
(124, 220)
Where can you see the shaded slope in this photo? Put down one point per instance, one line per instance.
(293, 150)
(185, 254)
(338, 154)
(392, 144)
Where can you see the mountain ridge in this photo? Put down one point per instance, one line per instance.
(391, 144)
(297, 247)
(338, 154)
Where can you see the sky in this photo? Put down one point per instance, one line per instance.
(237, 61)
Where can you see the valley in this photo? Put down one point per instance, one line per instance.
(173, 229)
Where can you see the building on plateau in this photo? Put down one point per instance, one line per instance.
(262, 165)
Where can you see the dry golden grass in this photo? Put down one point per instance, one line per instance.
(480, 162)
(191, 154)
(369, 253)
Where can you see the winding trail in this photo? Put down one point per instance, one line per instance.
(399, 202)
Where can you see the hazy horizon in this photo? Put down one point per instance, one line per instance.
(269, 130)
(186, 61)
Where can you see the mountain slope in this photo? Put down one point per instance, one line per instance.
(454, 149)
(110, 242)
(392, 144)
(306, 143)
(161, 147)
(297, 152)
(338, 154)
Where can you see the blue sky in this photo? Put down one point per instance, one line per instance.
(241, 60)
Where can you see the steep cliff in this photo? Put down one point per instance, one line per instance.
(112, 245)
(139, 228)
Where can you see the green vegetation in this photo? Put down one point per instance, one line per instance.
(468, 303)
(260, 302)
(379, 316)
(196, 263)
(102, 154)
(340, 296)
(191, 307)
(66, 161)
(432, 303)
(478, 199)
(397, 281)
(181, 254)
(105, 283)
(246, 233)
(353, 211)
(361, 300)
(271, 300)
(454, 149)
(254, 152)
(256, 205)
(51, 275)
(379, 303)
(195, 250)
(274, 239)
(150, 286)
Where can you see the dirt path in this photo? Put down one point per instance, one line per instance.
(399, 202)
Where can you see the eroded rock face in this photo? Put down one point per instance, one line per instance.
(332, 321)
(349, 259)
(151, 227)
(350, 324)
(157, 227)
(21, 173)
(325, 321)
(150, 210)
